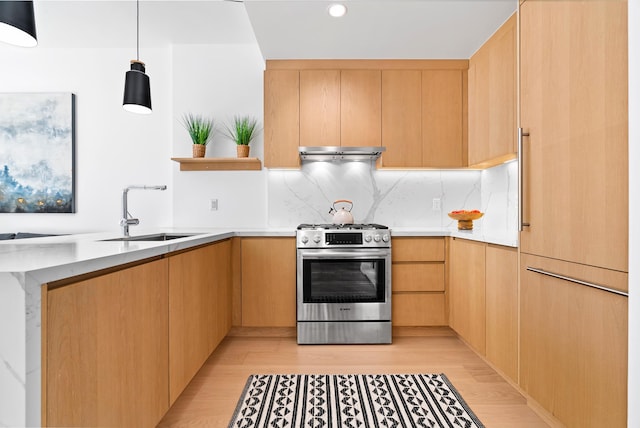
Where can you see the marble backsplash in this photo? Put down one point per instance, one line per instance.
(392, 197)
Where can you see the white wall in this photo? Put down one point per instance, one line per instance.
(218, 81)
(114, 148)
(634, 208)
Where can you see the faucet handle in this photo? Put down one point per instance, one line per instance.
(129, 221)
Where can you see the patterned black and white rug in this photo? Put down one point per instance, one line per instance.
(325, 401)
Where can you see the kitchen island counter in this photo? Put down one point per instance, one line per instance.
(27, 264)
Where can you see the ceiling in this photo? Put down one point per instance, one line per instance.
(291, 29)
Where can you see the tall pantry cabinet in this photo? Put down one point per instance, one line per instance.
(573, 106)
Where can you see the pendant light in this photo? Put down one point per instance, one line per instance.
(17, 23)
(137, 91)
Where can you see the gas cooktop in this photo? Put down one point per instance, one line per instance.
(329, 226)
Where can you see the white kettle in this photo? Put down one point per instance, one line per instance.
(342, 215)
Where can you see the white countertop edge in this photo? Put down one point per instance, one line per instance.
(496, 238)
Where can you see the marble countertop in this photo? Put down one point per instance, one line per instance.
(57, 257)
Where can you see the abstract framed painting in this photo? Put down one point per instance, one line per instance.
(37, 153)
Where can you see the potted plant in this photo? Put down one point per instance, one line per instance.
(200, 130)
(242, 131)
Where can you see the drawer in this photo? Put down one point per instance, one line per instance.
(418, 309)
(417, 249)
(417, 277)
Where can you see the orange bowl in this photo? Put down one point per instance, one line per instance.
(466, 215)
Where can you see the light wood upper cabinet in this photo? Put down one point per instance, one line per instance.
(319, 107)
(443, 121)
(199, 310)
(467, 312)
(402, 118)
(423, 118)
(360, 108)
(106, 349)
(268, 282)
(415, 108)
(281, 118)
(492, 97)
(340, 107)
(574, 107)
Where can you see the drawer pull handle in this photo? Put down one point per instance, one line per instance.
(578, 281)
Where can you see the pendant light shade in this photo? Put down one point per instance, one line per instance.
(137, 90)
(17, 23)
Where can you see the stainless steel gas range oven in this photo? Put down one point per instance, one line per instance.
(343, 283)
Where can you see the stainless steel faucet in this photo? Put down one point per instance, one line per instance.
(126, 221)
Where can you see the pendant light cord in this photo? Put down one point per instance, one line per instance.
(138, 30)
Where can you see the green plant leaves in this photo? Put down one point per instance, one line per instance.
(200, 129)
(242, 130)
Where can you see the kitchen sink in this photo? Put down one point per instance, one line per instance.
(154, 237)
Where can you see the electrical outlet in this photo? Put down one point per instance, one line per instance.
(213, 205)
(436, 204)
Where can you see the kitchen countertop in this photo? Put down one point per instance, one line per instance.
(26, 264)
(57, 257)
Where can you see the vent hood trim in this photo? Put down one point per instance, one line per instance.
(336, 153)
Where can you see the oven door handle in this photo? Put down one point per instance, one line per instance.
(344, 254)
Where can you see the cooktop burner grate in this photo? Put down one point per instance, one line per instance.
(329, 226)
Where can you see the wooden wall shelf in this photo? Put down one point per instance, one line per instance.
(219, 164)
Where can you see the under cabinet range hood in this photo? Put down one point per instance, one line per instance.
(335, 153)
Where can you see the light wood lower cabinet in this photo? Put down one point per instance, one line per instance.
(105, 352)
(199, 309)
(467, 298)
(573, 358)
(483, 300)
(418, 282)
(268, 282)
(501, 298)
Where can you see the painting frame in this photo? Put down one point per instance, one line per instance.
(38, 152)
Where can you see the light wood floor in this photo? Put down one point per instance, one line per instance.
(211, 397)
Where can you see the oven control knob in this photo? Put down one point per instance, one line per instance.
(385, 238)
(316, 239)
(367, 238)
(305, 239)
(376, 237)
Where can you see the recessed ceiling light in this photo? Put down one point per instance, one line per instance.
(337, 10)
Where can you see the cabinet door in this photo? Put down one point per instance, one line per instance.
(574, 107)
(418, 276)
(467, 291)
(281, 118)
(418, 310)
(492, 97)
(479, 111)
(401, 118)
(442, 118)
(573, 352)
(417, 249)
(107, 349)
(360, 108)
(320, 107)
(199, 309)
(268, 282)
(501, 287)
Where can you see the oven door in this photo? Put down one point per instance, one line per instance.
(344, 284)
